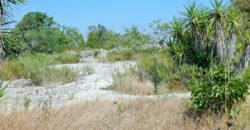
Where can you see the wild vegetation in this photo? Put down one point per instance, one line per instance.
(37, 67)
(133, 114)
(205, 51)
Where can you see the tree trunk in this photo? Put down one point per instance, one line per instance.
(232, 38)
(243, 64)
(220, 45)
(1, 36)
(201, 39)
(196, 41)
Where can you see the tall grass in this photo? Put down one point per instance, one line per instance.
(169, 114)
(155, 68)
(123, 55)
(66, 57)
(36, 67)
(130, 83)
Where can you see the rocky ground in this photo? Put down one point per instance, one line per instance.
(90, 86)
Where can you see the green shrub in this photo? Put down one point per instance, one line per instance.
(26, 66)
(96, 53)
(65, 58)
(158, 67)
(246, 74)
(218, 91)
(36, 68)
(123, 55)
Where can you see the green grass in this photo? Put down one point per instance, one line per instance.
(67, 58)
(124, 55)
(36, 67)
(27, 66)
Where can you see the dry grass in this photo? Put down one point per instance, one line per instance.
(131, 84)
(121, 115)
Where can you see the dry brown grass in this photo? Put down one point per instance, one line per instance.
(122, 115)
(130, 84)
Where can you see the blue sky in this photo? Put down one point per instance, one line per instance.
(114, 14)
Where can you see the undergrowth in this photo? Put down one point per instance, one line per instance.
(36, 67)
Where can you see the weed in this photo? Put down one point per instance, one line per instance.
(123, 55)
(36, 67)
(67, 57)
(2, 89)
(26, 104)
(60, 75)
(86, 70)
(96, 53)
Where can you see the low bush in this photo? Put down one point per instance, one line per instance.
(67, 57)
(26, 66)
(218, 91)
(34, 67)
(96, 53)
(156, 66)
(123, 55)
(246, 74)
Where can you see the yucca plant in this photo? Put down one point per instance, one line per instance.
(194, 18)
(5, 12)
(217, 15)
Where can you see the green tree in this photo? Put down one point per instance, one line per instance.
(134, 37)
(159, 31)
(33, 21)
(101, 37)
(45, 40)
(38, 32)
(74, 38)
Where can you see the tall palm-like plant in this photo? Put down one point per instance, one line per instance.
(178, 43)
(204, 29)
(5, 11)
(233, 22)
(217, 19)
(195, 19)
(177, 29)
